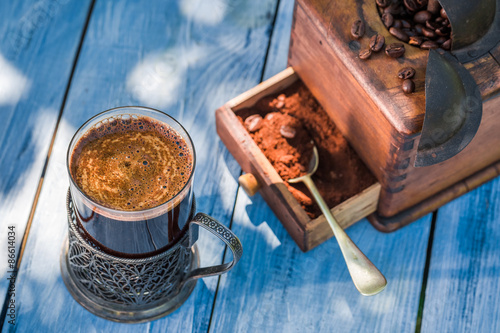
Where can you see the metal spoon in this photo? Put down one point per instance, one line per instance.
(366, 277)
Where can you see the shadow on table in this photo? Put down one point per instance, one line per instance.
(25, 146)
(275, 279)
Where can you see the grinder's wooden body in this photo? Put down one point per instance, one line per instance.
(365, 100)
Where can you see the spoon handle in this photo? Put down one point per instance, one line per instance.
(366, 277)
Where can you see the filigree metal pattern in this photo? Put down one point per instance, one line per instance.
(134, 282)
(218, 229)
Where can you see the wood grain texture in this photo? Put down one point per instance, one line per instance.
(185, 60)
(340, 95)
(365, 100)
(378, 76)
(463, 287)
(31, 33)
(278, 50)
(432, 203)
(277, 288)
(252, 160)
(486, 73)
(495, 53)
(481, 152)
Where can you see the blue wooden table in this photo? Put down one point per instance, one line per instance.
(63, 61)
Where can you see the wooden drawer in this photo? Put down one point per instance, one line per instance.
(306, 232)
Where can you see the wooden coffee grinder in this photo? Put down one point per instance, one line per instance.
(424, 148)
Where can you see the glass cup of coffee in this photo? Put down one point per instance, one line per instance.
(131, 202)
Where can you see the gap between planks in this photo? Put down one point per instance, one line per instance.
(269, 43)
(40, 183)
(421, 302)
(24, 240)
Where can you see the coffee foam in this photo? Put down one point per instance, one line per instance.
(131, 163)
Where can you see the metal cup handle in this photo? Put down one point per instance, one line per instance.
(224, 234)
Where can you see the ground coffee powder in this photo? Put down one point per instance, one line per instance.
(340, 175)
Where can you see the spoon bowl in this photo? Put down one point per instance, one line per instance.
(313, 167)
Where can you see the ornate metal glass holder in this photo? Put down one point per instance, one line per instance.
(126, 290)
(136, 290)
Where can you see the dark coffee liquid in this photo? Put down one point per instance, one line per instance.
(132, 164)
(134, 239)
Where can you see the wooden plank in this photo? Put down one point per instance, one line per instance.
(273, 85)
(463, 288)
(277, 288)
(277, 58)
(185, 60)
(31, 33)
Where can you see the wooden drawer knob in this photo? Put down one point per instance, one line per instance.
(249, 183)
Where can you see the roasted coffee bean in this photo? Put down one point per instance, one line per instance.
(287, 132)
(406, 73)
(408, 86)
(397, 24)
(395, 50)
(416, 40)
(394, 9)
(429, 44)
(428, 33)
(416, 22)
(446, 45)
(412, 5)
(405, 24)
(432, 25)
(443, 31)
(418, 28)
(388, 20)
(384, 3)
(365, 54)
(377, 42)
(387, 10)
(253, 123)
(434, 7)
(410, 32)
(422, 16)
(399, 34)
(443, 13)
(358, 29)
(441, 40)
